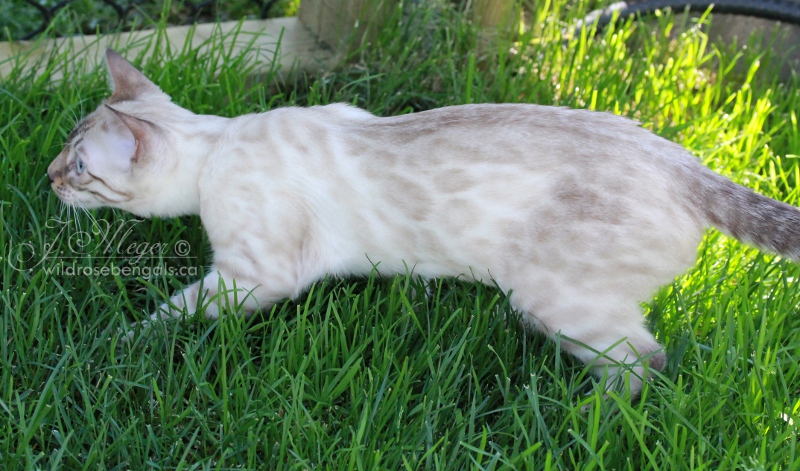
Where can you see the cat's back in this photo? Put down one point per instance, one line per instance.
(530, 135)
(512, 116)
(466, 121)
(481, 132)
(515, 120)
(327, 116)
(522, 144)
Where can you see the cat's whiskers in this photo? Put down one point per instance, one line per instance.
(76, 117)
(67, 207)
(76, 218)
(62, 207)
(69, 215)
(95, 225)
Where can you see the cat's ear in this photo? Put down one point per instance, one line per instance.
(142, 135)
(127, 82)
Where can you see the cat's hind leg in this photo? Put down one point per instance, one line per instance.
(608, 334)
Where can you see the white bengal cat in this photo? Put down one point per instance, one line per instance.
(579, 215)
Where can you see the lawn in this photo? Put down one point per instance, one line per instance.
(373, 373)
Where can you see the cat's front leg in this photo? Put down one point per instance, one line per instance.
(216, 291)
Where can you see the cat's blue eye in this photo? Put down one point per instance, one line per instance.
(79, 165)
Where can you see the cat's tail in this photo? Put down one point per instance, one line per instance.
(752, 218)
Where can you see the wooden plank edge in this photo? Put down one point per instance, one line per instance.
(282, 40)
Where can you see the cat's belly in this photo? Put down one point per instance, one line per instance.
(567, 223)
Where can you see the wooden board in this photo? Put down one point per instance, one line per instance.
(298, 49)
(344, 25)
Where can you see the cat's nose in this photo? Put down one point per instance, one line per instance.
(53, 168)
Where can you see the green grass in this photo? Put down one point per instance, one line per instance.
(371, 373)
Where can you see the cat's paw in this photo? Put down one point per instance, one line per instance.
(148, 326)
(128, 333)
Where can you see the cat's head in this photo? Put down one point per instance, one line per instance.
(119, 155)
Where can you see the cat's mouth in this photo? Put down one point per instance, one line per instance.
(59, 186)
(87, 199)
(64, 192)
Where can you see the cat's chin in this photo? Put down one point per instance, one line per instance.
(74, 201)
(94, 205)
